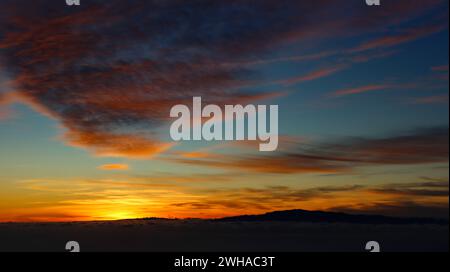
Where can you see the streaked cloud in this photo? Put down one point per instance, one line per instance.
(108, 82)
(115, 199)
(433, 99)
(419, 147)
(424, 189)
(350, 198)
(104, 144)
(314, 75)
(404, 36)
(114, 166)
(441, 68)
(358, 90)
(99, 74)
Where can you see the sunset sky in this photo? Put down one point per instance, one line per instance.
(85, 96)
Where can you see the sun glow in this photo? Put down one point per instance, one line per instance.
(120, 214)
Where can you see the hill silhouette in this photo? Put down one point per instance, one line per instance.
(330, 217)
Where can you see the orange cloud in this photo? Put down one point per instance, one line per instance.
(115, 166)
(105, 144)
(6, 100)
(131, 197)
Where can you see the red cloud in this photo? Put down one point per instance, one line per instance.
(358, 90)
(324, 72)
(442, 68)
(393, 40)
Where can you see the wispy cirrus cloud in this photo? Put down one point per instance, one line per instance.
(103, 76)
(296, 58)
(314, 75)
(404, 36)
(358, 90)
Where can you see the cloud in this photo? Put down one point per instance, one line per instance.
(418, 147)
(314, 75)
(262, 199)
(105, 144)
(2, 100)
(98, 74)
(367, 56)
(6, 112)
(348, 198)
(427, 189)
(296, 58)
(176, 195)
(358, 90)
(405, 36)
(278, 164)
(441, 68)
(115, 166)
(346, 60)
(434, 99)
(105, 77)
(441, 72)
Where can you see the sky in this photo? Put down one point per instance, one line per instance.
(86, 92)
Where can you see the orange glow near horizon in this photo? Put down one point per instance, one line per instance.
(164, 203)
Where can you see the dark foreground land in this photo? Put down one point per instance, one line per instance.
(235, 235)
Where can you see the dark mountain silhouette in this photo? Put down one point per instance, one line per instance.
(330, 217)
